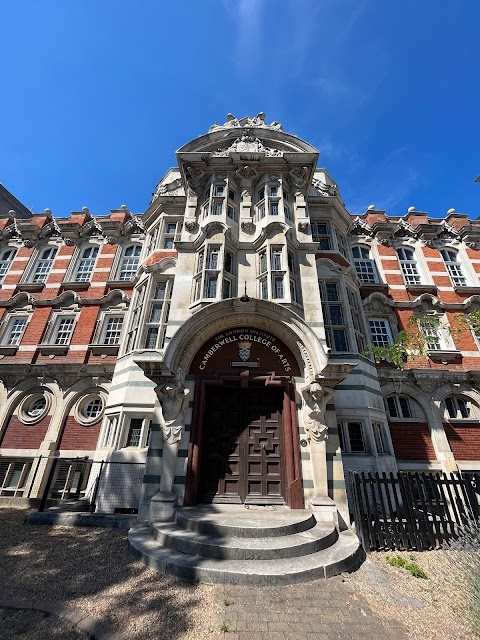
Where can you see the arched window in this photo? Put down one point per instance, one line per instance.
(6, 259)
(457, 408)
(86, 263)
(454, 267)
(408, 264)
(398, 407)
(43, 265)
(364, 265)
(129, 262)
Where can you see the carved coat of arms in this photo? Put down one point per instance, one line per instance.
(244, 350)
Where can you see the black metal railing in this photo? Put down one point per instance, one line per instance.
(415, 511)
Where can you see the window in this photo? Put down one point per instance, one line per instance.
(278, 290)
(342, 247)
(398, 407)
(408, 264)
(274, 208)
(274, 191)
(13, 476)
(6, 259)
(381, 441)
(231, 213)
(36, 407)
(321, 234)
(217, 209)
(170, 231)
(232, 195)
(219, 190)
(91, 408)
(333, 316)
(263, 288)
(153, 239)
(158, 315)
(436, 335)
(15, 330)
(112, 330)
(134, 432)
(380, 332)
(354, 306)
(136, 313)
(364, 265)
(351, 437)
(276, 259)
(454, 267)
(63, 329)
(86, 263)
(129, 262)
(214, 273)
(261, 195)
(457, 408)
(44, 264)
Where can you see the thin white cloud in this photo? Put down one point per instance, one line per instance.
(247, 16)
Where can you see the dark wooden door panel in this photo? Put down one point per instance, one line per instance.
(242, 451)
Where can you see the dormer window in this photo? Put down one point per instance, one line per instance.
(408, 264)
(454, 267)
(364, 265)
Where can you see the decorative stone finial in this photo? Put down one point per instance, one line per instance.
(85, 210)
(124, 207)
(451, 211)
(410, 209)
(48, 212)
(371, 207)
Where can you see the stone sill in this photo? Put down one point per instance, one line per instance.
(53, 349)
(31, 287)
(118, 284)
(467, 289)
(8, 350)
(421, 288)
(107, 349)
(444, 355)
(373, 286)
(75, 286)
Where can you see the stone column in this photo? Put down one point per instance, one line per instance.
(174, 399)
(315, 399)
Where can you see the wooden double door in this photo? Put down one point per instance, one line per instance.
(242, 458)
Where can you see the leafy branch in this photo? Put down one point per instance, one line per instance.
(412, 341)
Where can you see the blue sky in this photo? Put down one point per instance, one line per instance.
(98, 95)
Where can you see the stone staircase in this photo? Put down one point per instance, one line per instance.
(235, 545)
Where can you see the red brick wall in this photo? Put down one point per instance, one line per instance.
(22, 436)
(464, 440)
(412, 441)
(76, 436)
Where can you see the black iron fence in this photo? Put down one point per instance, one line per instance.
(412, 511)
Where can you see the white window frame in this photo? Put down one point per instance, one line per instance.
(169, 235)
(454, 267)
(127, 428)
(333, 329)
(387, 332)
(43, 266)
(437, 338)
(70, 320)
(156, 326)
(7, 333)
(85, 266)
(365, 267)
(381, 439)
(409, 266)
(134, 332)
(6, 262)
(128, 265)
(107, 319)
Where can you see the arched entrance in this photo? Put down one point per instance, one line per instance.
(245, 445)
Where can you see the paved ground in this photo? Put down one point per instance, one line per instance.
(321, 610)
(92, 572)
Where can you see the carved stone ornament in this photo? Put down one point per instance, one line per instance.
(246, 175)
(190, 225)
(299, 177)
(303, 226)
(359, 228)
(325, 189)
(257, 121)
(194, 177)
(28, 243)
(247, 226)
(173, 397)
(315, 399)
(428, 383)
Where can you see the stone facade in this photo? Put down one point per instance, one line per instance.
(246, 272)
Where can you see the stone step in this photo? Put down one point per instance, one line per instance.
(319, 537)
(345, 554)
(234, 521)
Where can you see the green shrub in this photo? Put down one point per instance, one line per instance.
(408, 565)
